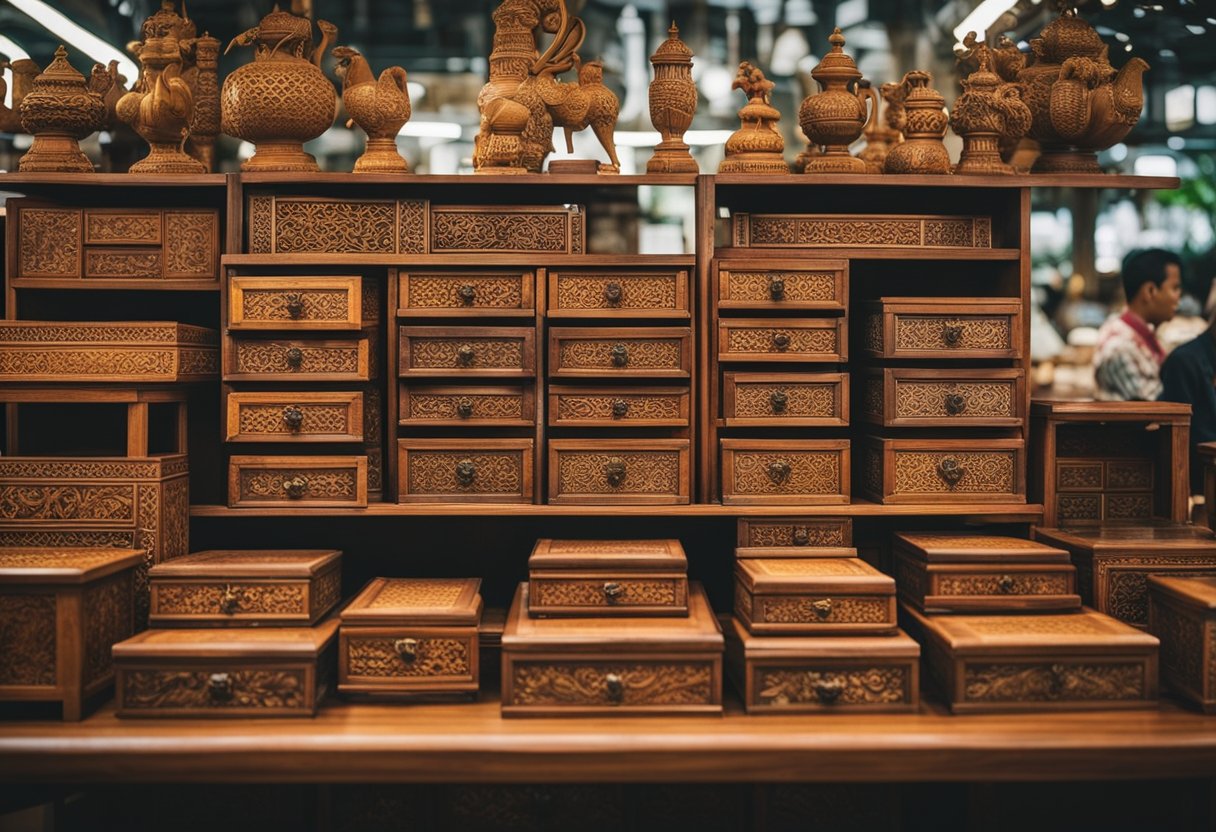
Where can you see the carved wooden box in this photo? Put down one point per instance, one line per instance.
(785, 399)
(461, 405)
(785, 471)
(795, 537)
(1182, 613)
(783, 339)
(221, 673)
(1114, 561)
(464, 470)
(410, 636)
(618, 293)
(296, 417)
(612, 352)
(288, 359)
(1067, 661)
(822, 674)
(287, 481)
(860, 230)
(804, 596)
(224, 588)
(951, 572)
(609, 666)
(619, 407)
(921, 397)
(820, 285)
(466, 293)
(581, 578)
(61, 609)
(624, 471)
(503, 229)
(323, 225)
(446, 352)
(942, 328)
(301, 303)
(125, 247)
(977, 470)
(128, 351)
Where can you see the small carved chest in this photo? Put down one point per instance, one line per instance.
(582, 578)
(1182, 613)
(137, 352)
(802, 596)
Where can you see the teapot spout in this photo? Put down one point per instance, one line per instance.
(1129, 88)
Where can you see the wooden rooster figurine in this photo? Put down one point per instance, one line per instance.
(381, 106)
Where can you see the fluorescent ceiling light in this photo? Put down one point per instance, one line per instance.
(650, 138)
(432, 129)
(982, 17)
(76, 36)
(15, 53)
(1156, 166)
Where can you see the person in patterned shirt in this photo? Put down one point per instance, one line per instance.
(1127, 361)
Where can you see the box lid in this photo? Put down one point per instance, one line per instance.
(839, 576)
(626, 555)
(697, 633)
(63, 565)
(248, 563)
(897, 646)
(235, 643)
(1199, 592)
(952, 547)
(416, 601)
(1068, 633)
(126, 333)
(1131, 538)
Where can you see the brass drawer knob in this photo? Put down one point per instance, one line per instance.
(219, 687)
(466, 472)
(294, 302)
(951, 471)
(294, 357)
(1005, 584)
(229, 601)
(956, 403)
(467, 293)
(296, 487)
(828, 691)
(1058, 678)
(778, 400)
(464, 408)
(781, 341)
(801, 536)
(612, 293)
(822, 608)
(620, 408)
(407, 649)
(620, 355)
(776, 288)
(613, 590)
(615, 471)
(952, 334)
(465, 355)
(778, 472)
(293, 417)
(614, 686)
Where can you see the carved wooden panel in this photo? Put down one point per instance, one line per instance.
(1129, 475)
(808, 613)
(378, 657)
(943, 328)
(588, 352)
(1059, 681)
(28, 639)
(824, 685)
(1079, 476)
(319, 225)
(297, 480)
(476, 229)
(785, 399)
(915, 470)
(507, 293)
(146, 691)
(106, 352)
(289, 303)
(285, 359)
(814, 471)
(898, 397)
(295, 417)
(623, 407)
(122, 227)
(1184, 658)
(229, 601)
(801, 339)
(1017, 583)
(433, 351)
(610, 684)
(108, 617)
(1120, 584)
(605, 294)
(791, 284)
(798, 537)
(49, 242)
(861, 230)
(601, 595)
(447, 470)
(1072, 507)
(451, 406)
(123, 263)
(191, 245)
(619, 471)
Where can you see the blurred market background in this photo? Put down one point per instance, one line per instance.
(1078, 237)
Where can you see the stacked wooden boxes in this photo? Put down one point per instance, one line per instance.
(1182, 613)
(610, 627)
(815, 627)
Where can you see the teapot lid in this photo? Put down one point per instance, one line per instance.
(673, 50)
(282, 25)
(920, 94)
(1068, 36)
(59, 72)
(836, 65)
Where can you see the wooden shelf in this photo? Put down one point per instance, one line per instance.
(907, 253)
(1053, 180)
(27, 182)
(326, 180)
(132, 285)
(432, 260)
(471, 742)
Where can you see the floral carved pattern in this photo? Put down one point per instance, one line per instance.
(1079, 506)
(120, 264)
(643, 354)
(637, 291)
(920, 399)
(1085, 476)
(49, 245)
(1072, 682)
(263, 689)
(328, 305)
(799, 231)
(93, 363)
(323, 484)
(435, 472)
(69, 469)
(987, 472)
(232, 598)
(445, 353)
(175, 536)
(190, 244)
(754, 340)
(67, 502)
(27, 639)
(411, 230)
(267, 419)
(1022, 584)
(816, 534)
(443, 291)
(332, 226)
(810, 472)
(1128, 506)
(599, 407)
(379, 658)
(928, 332)
(326, 591)
(108, 334)
(104, 227)
(544, 592)
(271, 357)
(646, 472)
(494, 230)
(1137, 476)
(801, 400)
(1181, 646)
(798, 286)
(862, 686)
(1126, 596)
(654, 683)
(846, 610)
(107, 621)
(446, 406)
(261, 225)
(407, 594)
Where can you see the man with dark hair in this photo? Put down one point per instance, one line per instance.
(1127, 361)
(1189, 376)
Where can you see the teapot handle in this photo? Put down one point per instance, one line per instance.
(864, 91)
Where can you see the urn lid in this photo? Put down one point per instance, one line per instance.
(1068, 36)
(282, 25)
(836, 65)
(673, 50)
(920, 94)
(59, 73)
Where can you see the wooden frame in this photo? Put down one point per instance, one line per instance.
(299, 286)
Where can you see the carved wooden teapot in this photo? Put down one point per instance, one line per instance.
(60, 109)
(836, 116)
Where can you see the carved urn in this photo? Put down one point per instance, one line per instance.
(835, 116)
(60, 109)
(925, 126)
(281, 99)
(673, 103)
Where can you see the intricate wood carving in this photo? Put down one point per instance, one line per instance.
(131, 228)
(30, 351)
(1182, 647)
(864, 230)
(673, 102)
(317, 225)
(803, 610)
(785, 471)
(925, 123)
(230, 598)
(879, 685)
(835, 117)
(649, 683)
(120, 264)
(27, 639)
(602, 354)
(273, 484)
(379, 657)
(757, 146)
(247, 688)
(642, 472)
(591, 407)
(272, 357)
(810, 534)
(49, 243)
(448, 353)
(1121, 583)
(439, 472)
(923, 332)
(551, 592)
(59, 109)
(615, 292)
(986, 472)
(381, 106)
(473, 229)
(1017, 583)
(422, 404)
(1053, 682)
(107, 620)
(460, 291)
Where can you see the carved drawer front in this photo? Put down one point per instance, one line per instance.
(436, 351)
(1120, 585)
(221, 688)
(336, 416)
(785, 399)
(598, 684)
(123, 263)
(49, 242)
(913, 397)
(464, 470)
(314, 303)
(803, 613)
(618, 407)
(552, 594)
(106, 352)
(127, 227)
(1027, 683)
(227, 603)
(497, 229)
(458, 406)
(785, 471)
(772, 339)
(278, 482)
(407, 659)
(601, 293)
(929, 470)
(824, 685)
(864, 230)
(943, 328)
(466, 293)
(962, 587)
(323, 225)
(626, 471)
(795, 537)
(288, 359)
(1115, 506)
(588, 352)
(784, 284)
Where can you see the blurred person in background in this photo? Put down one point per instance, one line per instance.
(1128, 357)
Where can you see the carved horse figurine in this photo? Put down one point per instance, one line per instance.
(586, 104)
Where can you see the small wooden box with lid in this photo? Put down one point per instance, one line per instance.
(607, 577)
(1182, 613)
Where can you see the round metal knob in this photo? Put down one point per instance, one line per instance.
(612, 293)
(295, 305)
(778, 400)
(296, 487)
(1005, 584)
(952, 334)
(620, 355)
(776, 288)
(801, 536)
(778, 472)
(293, 417)
(613, 590)
(467, 293)
(781, 341)
(219, 687)
(614, 687)
(465, 355)
(294, 357)
(407, 649)
(466, 472)
(620, 407)
(822, 608)
(614, 471)
(955, 403)
(951, 471)
(229, 601)
(828, 691)
(464, 408)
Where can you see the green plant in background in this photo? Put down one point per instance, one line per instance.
(1198, 195)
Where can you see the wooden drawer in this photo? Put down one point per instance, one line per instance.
(431, 351)
(602, 293)
(335, 416)
(262, 358)
(406, 660)
(482, 406)
(466, 293)
(650, 352)
(808, 596)
(860, 230)
(626, 471)
(276, 482)
(795, 537)
(785, 399)
(943, 328)
(783, 284)
(982, 587)
(929, 470)
(772, 339)
(1071, 508)
(785, 471)
(915, 397)
(305, 303)
(586, 594)
(619, 407)
(464, 470)
(500, 229)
